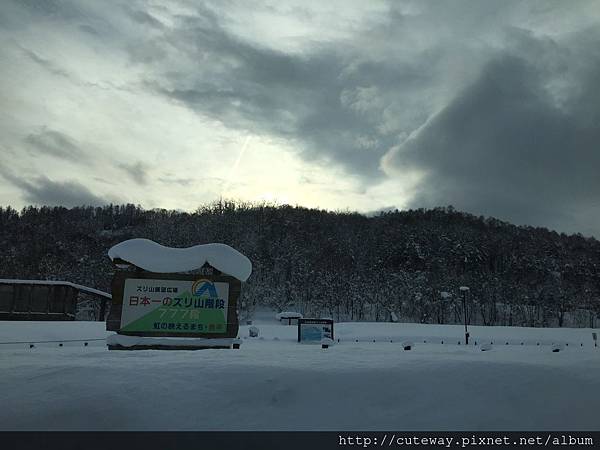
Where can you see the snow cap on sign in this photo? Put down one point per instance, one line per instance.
(153, 257)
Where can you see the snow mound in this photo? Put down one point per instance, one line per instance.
(558, 347)
(130, 341)
(149, 255)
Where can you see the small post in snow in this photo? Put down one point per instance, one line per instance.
(326, 342)
(464, 290)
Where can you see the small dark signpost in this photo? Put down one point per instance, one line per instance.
(195, 304)
(315, 330)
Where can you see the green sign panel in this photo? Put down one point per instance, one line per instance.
(174, 306)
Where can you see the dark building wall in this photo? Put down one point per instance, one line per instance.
(37, 302)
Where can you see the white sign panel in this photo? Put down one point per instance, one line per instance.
(174, 306)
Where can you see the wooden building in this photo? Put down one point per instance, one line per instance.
(45, 300)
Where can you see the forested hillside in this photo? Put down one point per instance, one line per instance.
(404, 265)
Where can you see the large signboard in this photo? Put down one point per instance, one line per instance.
(314, 330)
(172, 304)
(175, 306)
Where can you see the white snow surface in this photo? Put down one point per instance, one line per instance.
(154, 257)
(58, 283)
(277, 384)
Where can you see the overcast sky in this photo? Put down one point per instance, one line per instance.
(490, 106)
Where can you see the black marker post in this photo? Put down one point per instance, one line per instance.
(464, 290)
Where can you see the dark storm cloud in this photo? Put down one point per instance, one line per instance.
(57, 144)
(178, 181)
(137, 171)
(295, 96)
(43, 191)
(54, 69)
(142, 17)
(520, 143)
(502, 121)
(45, 63)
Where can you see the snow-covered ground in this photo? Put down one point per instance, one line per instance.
(274, 383)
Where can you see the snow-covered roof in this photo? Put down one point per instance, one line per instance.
(288, 315)
(153, 257)
(58, 283)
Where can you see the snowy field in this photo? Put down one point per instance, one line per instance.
(274, 383)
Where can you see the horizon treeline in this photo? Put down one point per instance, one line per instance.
(397, 265)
